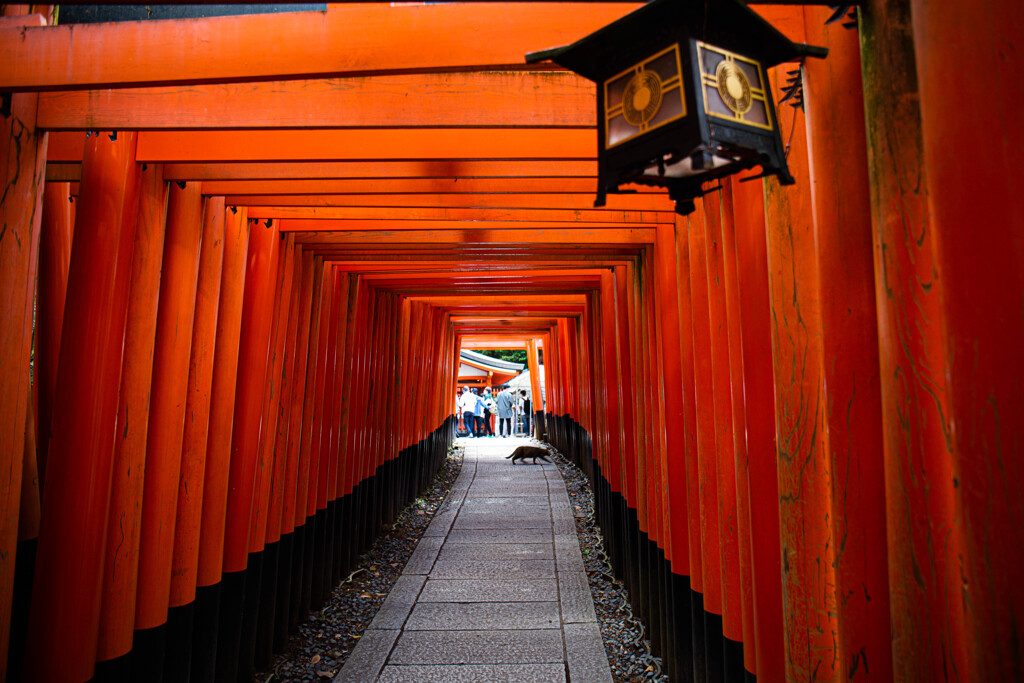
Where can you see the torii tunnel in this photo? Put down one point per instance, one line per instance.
(239, 256)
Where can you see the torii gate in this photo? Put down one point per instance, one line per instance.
(799, 406)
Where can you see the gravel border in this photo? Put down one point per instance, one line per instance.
(323, 642)
(629, 653)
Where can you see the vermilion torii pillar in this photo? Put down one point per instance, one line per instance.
(69, 563)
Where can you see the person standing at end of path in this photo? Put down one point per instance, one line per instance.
(490, 408)
(505, 413)
(527, 412)
(478, 412)
(467, 404)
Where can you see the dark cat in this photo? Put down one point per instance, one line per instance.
(523, 452)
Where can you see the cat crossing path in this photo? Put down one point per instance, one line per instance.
(495, 591)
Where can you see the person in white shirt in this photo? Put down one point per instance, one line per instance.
(467, 405)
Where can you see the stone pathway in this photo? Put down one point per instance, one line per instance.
(495, 590)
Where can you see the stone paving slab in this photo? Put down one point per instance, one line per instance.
(499, 551)
(567, 553)
(493, 569)
(479, 647)
(585, 653)
(509, 513)
(475, 673)
(478, 616)
(509, 491)
(483, 536)
(485, 590)
(441, 524)
(393, 613)
(423, 557)
(495, 590)
(464, 521)
(563, 526)
(368, 658)
(504, 503)
(577, 604)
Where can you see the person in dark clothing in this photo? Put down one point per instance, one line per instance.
(527, 412)
(504, 402)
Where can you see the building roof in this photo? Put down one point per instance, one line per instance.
(493, 364)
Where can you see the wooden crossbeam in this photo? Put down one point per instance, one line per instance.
(334, 145)
(478, 237)
(491, 98)
(317, 170)
(362, 39)
(371, 215)
(340, 206)
(430, 186)
(474, 229)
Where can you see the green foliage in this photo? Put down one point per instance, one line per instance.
(510, 355)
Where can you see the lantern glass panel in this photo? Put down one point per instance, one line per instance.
(733, 87)
(644, 97)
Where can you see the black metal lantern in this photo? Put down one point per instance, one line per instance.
(682, 95)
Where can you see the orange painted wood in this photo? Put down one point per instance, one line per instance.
(299, 387)
(365, 303)
(443, 233)
(327, 206)
(266, 464)
(306, 435)
(410, 364)
(421, 168)
(376, 38)
(54, 260)
(845, 251)
(612, 452)
(70, 172)
(283, 483)
(654, 438)
(672, 385)
(222, 398)
(478, 98)
(238, 190)
(29, 509)
(801, 405)
(23, 154)
(324, 355)
(124, 519)
(18, 20)
(728, 531)
(371, 143)
(707, 470)
(926, 574)
(978, 251)
(305, 475)
(494, 343)
(739, 427)
(759, 413)
(541, 217)
(66, 597)
(626, 372)
(354, 406)
(66, 148)
(338, 443)
(167, 406)
(188, 524)
(253, 352)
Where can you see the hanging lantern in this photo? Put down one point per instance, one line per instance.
(683, 97)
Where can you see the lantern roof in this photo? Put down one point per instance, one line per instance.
(729, 23)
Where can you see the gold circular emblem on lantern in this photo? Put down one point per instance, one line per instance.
(734, 87)
(641, 99)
